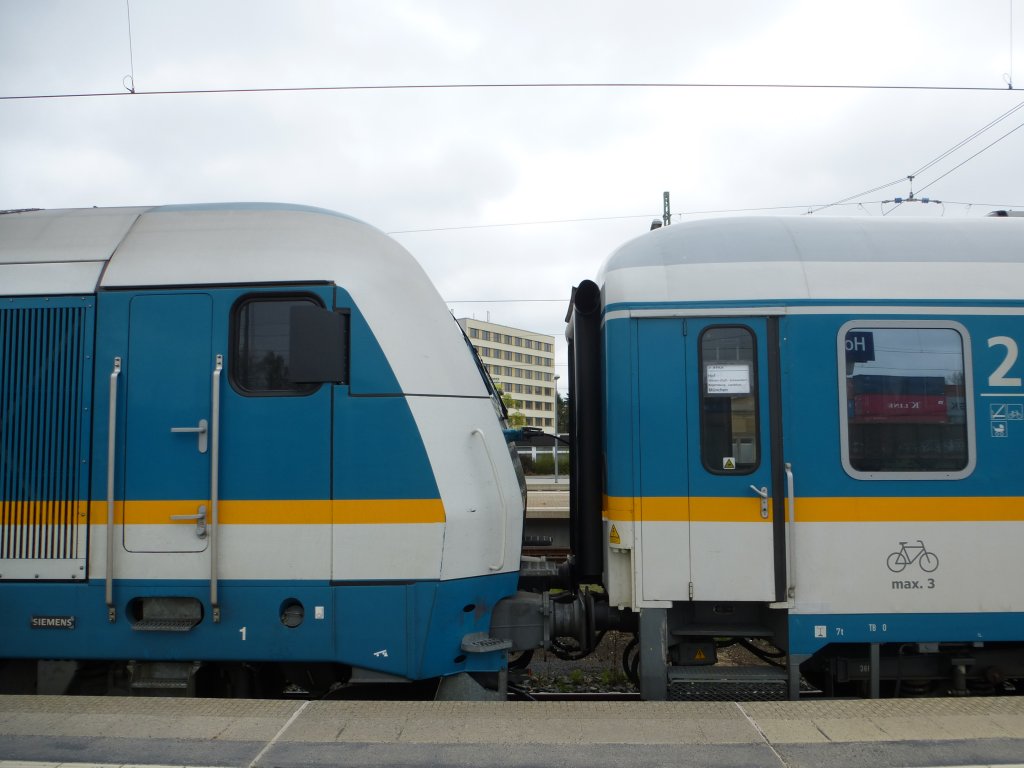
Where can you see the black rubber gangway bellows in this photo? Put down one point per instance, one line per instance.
(585, 485)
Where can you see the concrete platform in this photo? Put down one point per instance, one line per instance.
(51, 731)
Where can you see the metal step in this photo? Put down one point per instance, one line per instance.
(163, 678)
(537, 541)
(161, 684)
(724, 683)
(481, 642)
(164, 625)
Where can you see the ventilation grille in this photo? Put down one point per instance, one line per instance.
(43, 375)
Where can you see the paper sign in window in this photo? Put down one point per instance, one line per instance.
(723, 379)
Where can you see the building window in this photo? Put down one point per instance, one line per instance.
(905, 403)
(728, 420)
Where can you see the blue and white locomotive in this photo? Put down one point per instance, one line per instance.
(244, 448)
(807, 434)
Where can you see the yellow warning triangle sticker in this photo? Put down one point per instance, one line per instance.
(699, 655)
(729, 463)
(613, 537)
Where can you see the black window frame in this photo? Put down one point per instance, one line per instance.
(235, 353)
(755, 394)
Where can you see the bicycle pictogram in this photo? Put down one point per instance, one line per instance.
(907, 555)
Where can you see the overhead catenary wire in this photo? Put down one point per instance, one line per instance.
(497, 86)
(518, 224)
(1009, 75)
(680, 214)
(934, 161)
(969, 139)
(129, 80)
(983, 149)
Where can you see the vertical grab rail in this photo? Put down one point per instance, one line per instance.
(111, 457)
(501, 496)
(214, 489)
(790, 529)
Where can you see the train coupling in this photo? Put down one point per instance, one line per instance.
(543, 620)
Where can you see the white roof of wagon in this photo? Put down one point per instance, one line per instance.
(820, 258)
(81, 250)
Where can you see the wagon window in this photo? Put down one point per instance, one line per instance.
(905, 401)
(728, 422)
(261, 350)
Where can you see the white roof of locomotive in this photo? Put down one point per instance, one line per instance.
(77, 251)
(192, 245)
(799, 258)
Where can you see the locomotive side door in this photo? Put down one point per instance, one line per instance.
(273, 438)
(705, 456)
(167, 422)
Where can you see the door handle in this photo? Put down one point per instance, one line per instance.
(202, 430)
(763, 493)
(199, 517)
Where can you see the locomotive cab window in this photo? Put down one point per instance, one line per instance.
(287, 345)
(905, 400)
(728, 418)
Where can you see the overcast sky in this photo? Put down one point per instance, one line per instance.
(457, 160)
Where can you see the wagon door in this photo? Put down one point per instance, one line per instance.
(167, 423)
(706, 506)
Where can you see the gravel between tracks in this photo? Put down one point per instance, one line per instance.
(601, 671)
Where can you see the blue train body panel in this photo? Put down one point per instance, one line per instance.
(287, 446)
(407, 630)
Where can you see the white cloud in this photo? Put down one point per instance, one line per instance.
(419, 159)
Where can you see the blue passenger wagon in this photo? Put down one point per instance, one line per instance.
(811, 434)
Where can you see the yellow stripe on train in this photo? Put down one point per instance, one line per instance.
(278, 512)
(867, 509)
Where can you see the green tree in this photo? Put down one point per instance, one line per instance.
(515, 416)
(561, 413)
